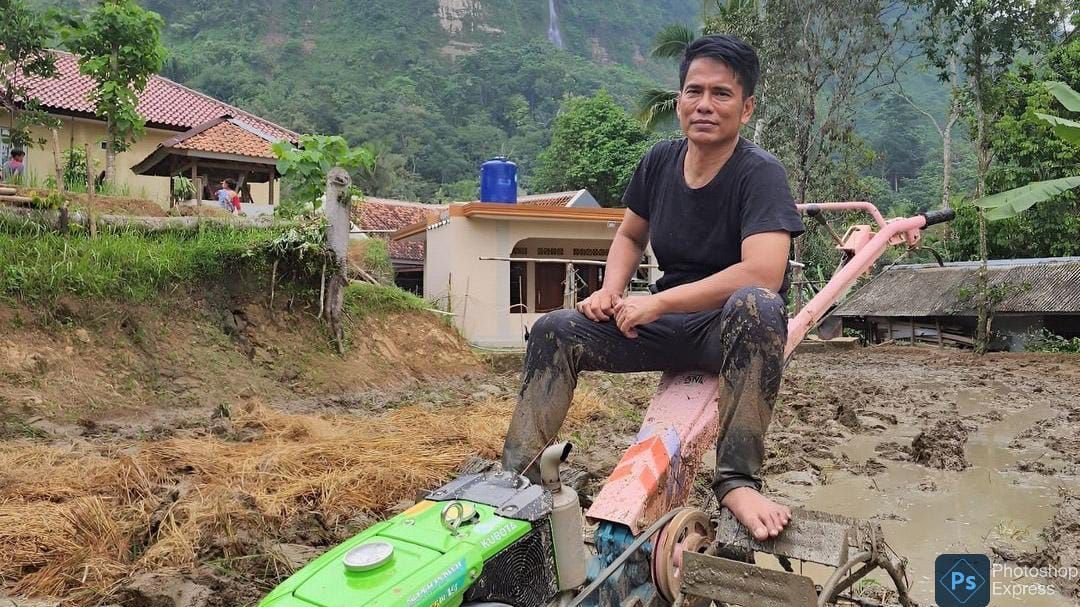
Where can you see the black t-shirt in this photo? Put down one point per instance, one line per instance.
(698, 232)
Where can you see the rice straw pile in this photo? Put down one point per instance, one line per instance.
(77, 523)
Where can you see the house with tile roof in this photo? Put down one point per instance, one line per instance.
(184, 129)
(499, 267)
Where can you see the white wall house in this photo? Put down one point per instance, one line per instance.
(470, 266)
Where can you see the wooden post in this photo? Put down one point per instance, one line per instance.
(270, 185)
(336, 205)
(195, 183)
(911, 321)
(940, 337)
(91, 184)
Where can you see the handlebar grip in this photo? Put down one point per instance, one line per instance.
(936, 217)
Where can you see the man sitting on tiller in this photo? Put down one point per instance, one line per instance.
(720, 216)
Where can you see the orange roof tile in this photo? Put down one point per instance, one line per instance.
(387, 214)
(228, 138)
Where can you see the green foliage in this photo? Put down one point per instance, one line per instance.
(1011, 203)
(74, 160)
(377, 259)
(595, 144)
(305, 167)
(671, 42)
(1008, 204)
(1046, 341)
(183, 188)
(118, 45)
(24, 39)
(1026, 151)
(363, 299)
(40, 265)
(51, 202)
(657, 107)
(301, 247)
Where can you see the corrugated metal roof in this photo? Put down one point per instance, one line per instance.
(1026, 286)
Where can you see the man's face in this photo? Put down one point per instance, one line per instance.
(711, 107)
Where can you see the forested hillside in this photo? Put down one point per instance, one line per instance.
(439, 85)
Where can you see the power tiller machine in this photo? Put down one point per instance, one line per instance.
(497, 540)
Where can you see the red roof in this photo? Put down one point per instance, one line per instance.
(386, 214)
(228, 137)
(164, 103)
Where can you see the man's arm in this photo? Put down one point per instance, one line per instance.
(763, 264)
(623, 259)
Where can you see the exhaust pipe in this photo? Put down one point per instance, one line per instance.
(567, 534)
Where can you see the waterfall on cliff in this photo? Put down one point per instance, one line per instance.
(554, 35)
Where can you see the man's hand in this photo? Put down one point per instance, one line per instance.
(600, 306)
(633, 312)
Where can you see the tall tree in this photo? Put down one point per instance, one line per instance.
(23, 54)
(119, 45)
(944, 127)
(985, 36)
(595, 144)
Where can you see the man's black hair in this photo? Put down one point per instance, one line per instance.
(230, 183)
(736, 54)
(17, 152)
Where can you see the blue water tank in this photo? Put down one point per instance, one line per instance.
(498, 181)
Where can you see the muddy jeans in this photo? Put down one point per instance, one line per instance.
(743, 342)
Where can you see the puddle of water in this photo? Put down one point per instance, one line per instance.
(966, 508)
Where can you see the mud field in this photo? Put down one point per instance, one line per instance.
(212, 507)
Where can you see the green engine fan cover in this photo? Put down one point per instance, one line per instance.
(431, 564)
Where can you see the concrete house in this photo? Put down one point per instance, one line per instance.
(498, 267)
(187, 133)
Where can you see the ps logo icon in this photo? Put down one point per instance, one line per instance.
(963, 580)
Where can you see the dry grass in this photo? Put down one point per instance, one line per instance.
(76, 523)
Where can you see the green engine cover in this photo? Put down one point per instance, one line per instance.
(431, 564)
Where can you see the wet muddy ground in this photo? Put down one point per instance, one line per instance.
(947, 452)
(950, 454)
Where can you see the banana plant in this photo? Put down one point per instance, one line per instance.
(1011, 203)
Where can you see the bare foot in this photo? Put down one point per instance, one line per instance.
(762, 516)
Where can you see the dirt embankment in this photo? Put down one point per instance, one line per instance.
(82, 364)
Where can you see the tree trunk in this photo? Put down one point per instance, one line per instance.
(110, 158)
(91, 182)
(982, 151)
(336, 205)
